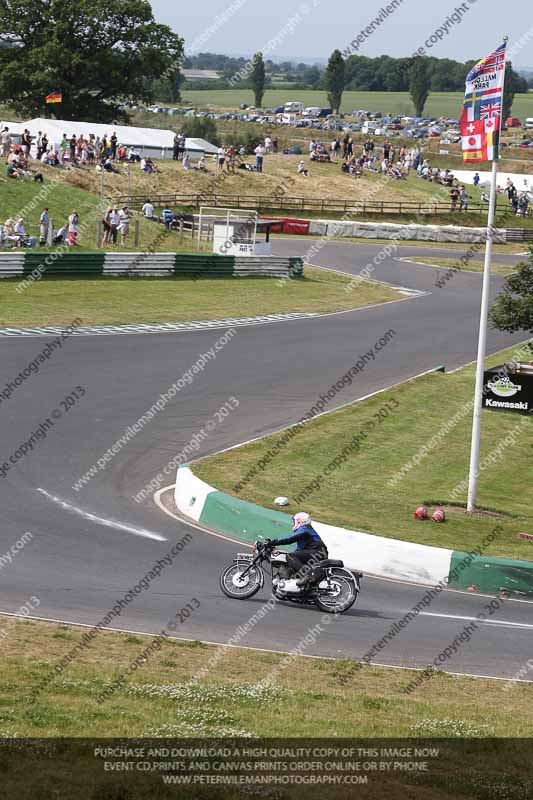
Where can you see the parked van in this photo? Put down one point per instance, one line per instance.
(288, 119)
(294, 107)
(312, 111)
(528, 123)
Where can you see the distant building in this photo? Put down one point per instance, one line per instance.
(200, 74)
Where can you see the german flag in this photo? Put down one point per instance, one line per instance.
(55, 97)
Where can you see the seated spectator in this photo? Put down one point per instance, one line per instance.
(186, 162)
(302, 170)
(201, 165)
(20, 231)
(133, 155)
(60, 236)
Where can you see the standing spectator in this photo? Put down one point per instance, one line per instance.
(230, 159)
(259, 155)
(39, 145)
(114, 142)
(44, 225)
(124, 224)
(148, 209)
(337, 149)
(63, 147)
(26, 142)
(463, 199)
(454, 196)
(386, 149)
(73, 222)
(168, 217)
(44, 144)
(476, 179)
(221, 157)
(72, 149)
(5, 142)
(275, 145)
(350, 146)
(106, 222)
(268, 142)
(176, 153)
(345, 145)
(114, 222)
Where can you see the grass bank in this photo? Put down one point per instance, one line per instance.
(62, 196)
(358, 494)
(309, 697)
(99, 301)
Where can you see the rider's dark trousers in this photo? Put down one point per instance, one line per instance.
(302, 561)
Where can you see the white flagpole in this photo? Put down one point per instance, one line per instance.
(482, 340)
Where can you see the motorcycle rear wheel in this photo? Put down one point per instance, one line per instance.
(343, 599)
(237, 589)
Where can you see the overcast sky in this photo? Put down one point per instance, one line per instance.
(313, 28)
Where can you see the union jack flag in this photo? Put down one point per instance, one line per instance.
(494, 61)
(490, 110)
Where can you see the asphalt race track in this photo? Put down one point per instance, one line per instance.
(78, 567)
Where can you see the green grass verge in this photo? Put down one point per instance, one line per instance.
(310, 697)
(98, 301)
(358, 496)
(471, 266)
(510, 248)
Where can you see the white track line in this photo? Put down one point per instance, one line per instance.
(476, 619)
(108, 523)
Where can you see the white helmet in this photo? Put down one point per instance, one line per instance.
(301, 518)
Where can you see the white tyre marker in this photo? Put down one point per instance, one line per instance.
(108, 523)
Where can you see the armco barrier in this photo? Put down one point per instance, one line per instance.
(195, 265)
(374, 555)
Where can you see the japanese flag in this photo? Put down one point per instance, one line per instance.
(472, 141)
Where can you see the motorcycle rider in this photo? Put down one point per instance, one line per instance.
(310, 549)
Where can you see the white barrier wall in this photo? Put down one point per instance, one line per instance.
(375, 555)
(389, 230)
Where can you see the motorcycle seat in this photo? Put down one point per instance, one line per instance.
(330, 562)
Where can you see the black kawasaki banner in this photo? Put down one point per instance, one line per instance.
(225, 769)
(506, 390)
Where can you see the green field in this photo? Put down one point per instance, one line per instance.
(444, 104)
(358, 495)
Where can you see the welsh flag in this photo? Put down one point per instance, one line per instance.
(482, 108)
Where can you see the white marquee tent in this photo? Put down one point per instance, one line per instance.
(153, 142)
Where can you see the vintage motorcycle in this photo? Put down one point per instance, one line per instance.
(333, 587)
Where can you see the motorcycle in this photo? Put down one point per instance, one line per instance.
(333, 587)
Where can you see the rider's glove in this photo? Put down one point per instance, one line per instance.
(272, 542)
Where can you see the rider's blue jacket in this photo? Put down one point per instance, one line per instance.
(306, 538)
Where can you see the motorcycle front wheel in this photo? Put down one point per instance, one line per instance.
(237, 587)
(339, 598)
